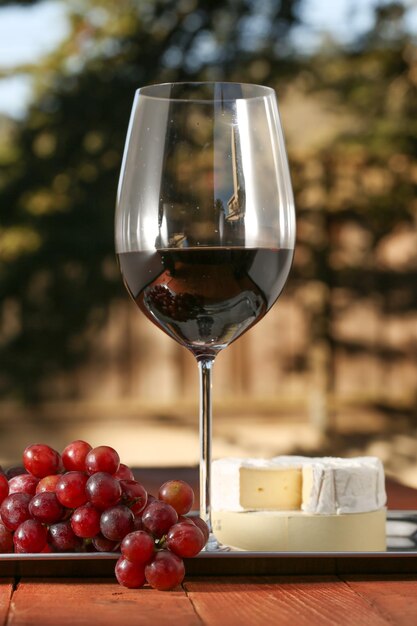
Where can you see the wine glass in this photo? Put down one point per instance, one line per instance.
(205, 223)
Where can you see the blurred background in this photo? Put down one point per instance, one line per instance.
(332, 369)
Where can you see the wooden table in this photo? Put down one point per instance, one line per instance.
(244, 600)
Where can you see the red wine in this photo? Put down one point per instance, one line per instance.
(205, 297)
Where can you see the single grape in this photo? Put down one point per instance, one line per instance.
(124, 473)
(178, 494)
(85, 521)
(15, 470)
(71, 489)
(4, 487)
(101, 544)
(201, 524)
(48, 483)
(30, 536)
(137, 523)
(24, 483)
(6, 539)
(45, 507)
(185, 540)
(158, 518)
(138, 547)
(103, 490)
(73, 456)
(41, 460)
(116, 522)
(134, 495)
(47, 549)
(129, 574)
(63, 539)
(165, 571)
(15, 509)
(102, 459)
(149, 501)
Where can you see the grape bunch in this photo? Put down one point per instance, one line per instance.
(179, 307)
(86, 500)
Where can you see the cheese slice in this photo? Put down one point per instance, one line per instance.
(321, 486)
(296, 531)
(246, 484)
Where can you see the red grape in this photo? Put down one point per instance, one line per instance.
(128, 574)
(102, 459)
(46, 508)
(201, 524)
(158, 518)
(151, 498)
(134, 495)
(6, 539)
(185, 540)
(30, 536)
(116, 522)
(138, 524)
(15, 509)
(71, 489)
(103, 490)
(24, 483)
(48, 483)
(63, 539)
(165, 571)
(124, 473)
(73, 456)
(15, 470)
(138, 547)
(149, 501)
(178, 494)
(41, 460)
(4, 487)
(47, 549)
(85, 521)
(101, 544)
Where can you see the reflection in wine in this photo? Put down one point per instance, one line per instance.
(205, 297)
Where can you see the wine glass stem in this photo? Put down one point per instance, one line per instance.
(205, 373)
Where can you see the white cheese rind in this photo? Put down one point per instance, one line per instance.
(329, 485)
(336, 486)
(296, 531)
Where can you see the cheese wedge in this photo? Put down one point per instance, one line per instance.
(332, 485)
(296, 531)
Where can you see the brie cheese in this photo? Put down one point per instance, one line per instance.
(296, 531)
(321, 486)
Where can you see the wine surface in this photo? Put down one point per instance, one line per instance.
(205, 297)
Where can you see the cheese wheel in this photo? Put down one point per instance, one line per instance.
(296, 531)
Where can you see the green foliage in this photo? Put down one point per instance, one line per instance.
(356, 196)
(58, 186)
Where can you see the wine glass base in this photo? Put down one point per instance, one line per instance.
(213, 545)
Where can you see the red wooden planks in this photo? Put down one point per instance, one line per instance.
(292, 601)
(395, 598)
(228, 601)
(98, 603)
(6, 590)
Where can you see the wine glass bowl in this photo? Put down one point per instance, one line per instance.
(205, 222)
